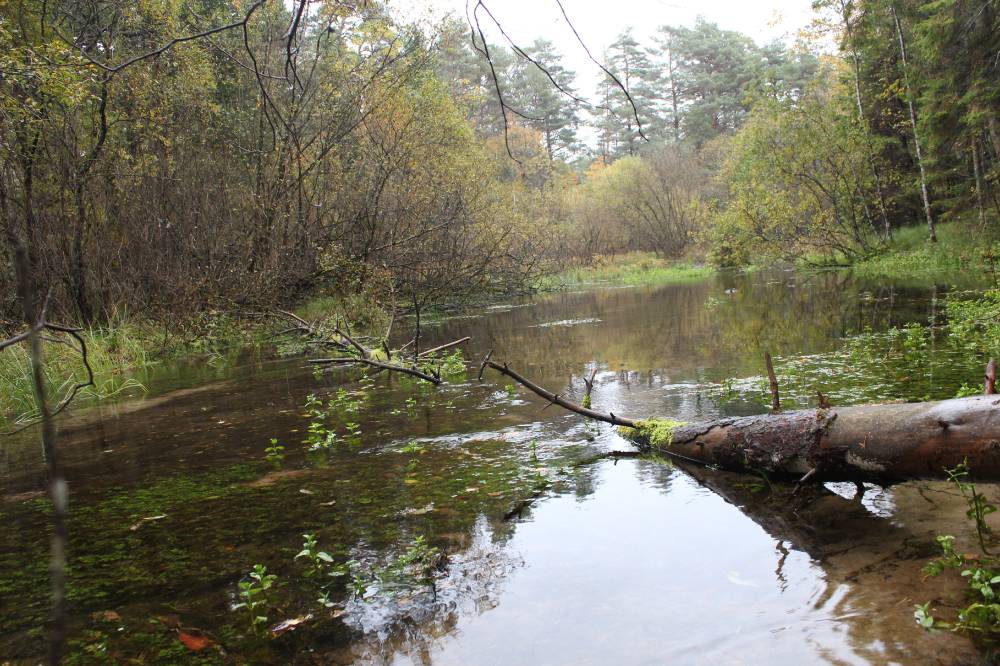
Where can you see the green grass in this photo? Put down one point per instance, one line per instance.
(963, 251)
(631, 268)
(120, 353)
(125, 349)
(110, 350)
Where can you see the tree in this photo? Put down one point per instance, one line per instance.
(798, 181)
(913, 123)
(626, 121)
(548, 107)
(713, 69)
(956, 45)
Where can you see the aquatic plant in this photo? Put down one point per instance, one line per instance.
(274, 453)
(254, 592)
(982, 571)
(413, 567)
(316, 559)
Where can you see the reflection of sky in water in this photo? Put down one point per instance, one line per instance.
(633, 562)
(651, 568)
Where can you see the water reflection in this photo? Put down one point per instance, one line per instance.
(656, 565)
(631, 562)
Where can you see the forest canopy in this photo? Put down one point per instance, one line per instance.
(287, 151)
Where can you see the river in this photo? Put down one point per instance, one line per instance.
(537, 550)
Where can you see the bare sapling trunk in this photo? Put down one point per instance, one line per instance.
(977, 171)
(913, 126)
(34, 317)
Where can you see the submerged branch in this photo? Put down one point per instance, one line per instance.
(393, 367)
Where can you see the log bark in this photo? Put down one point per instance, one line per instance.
(881, 443)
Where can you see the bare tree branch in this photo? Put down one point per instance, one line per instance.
(554, 398)
(628, 96)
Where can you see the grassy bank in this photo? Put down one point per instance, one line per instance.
(124, 351)
(121, 353)
(963, 251)
(631, 268)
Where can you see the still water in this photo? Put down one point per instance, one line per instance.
(538, 550)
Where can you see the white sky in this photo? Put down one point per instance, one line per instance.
(599, 22)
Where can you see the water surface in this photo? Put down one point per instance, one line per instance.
(547, 554)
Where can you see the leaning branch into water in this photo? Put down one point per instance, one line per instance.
(555, 398)
(413, 371)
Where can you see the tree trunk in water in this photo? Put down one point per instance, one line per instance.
(34, 315)
(913, 125)
(882, 443)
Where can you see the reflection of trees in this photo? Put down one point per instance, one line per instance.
(872, 565)
(687, 331)
(674, 338)
(411, 626)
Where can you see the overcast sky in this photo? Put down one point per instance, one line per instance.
(600, 21)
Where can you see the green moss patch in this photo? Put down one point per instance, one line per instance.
(652, 432)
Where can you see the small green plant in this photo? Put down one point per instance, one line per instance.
(979, 507)
(316, 559)
(982, 571)
(414, 449)
(924, 617)
(318, 436)
(965, 391)
(511, 391)
(445, 364)
(275, 453)
(255, 598)
(313, 405)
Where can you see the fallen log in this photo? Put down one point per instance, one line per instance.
(880, 443)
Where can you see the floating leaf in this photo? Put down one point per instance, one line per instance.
(288, 625)
(194, 642)
(106, 616)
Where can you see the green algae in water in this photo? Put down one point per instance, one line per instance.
(654, 432)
